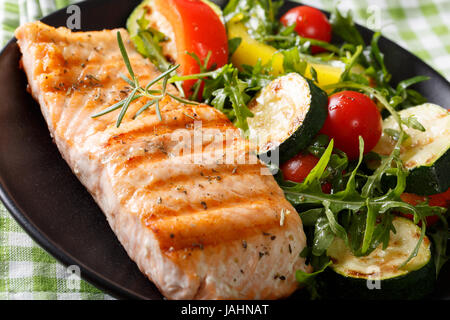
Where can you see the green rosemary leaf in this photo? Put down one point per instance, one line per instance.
(164, 86)
(125, 107)
(162, 75)
(113, 107)
(145, 107)
(182, 100)
(158, 112)
(125, 57)
(127, 80)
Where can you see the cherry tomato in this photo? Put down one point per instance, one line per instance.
(350, 115)
(436, 200)
(310, 23)
(298, 168)
(197, 29)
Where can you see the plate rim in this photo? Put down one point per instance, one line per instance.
(62, 256)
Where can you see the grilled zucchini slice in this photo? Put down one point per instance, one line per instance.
(378, 276)
(288, 113)
(425, 154)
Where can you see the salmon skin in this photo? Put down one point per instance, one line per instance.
(197, 226)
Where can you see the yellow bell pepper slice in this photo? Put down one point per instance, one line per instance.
(251, 50)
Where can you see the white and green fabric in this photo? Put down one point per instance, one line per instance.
(28, 272)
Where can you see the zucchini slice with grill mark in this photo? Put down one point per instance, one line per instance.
(378, 276)
(288, 113)
(425, 154)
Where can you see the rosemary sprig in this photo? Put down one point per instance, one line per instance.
(138, 92)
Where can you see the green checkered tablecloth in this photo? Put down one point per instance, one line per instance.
(28, 272)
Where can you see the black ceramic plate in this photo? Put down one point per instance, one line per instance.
(47, 200)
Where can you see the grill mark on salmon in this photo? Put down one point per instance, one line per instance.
(218, 224)
(169, 127)
(183, 208)
(184, 202)
(187, 243)
(206, 176)
(161, 149)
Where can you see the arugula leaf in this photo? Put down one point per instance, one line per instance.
(373, 182)
(233, 45)
(235, 91)
(312, 181)
(314, 74)
(379, 57)
(335, 227)
(413, 123)
(293, 62)
(440, 235)
(287, 38)
(403, 85)
(351, 62)
(310, 217)
(350, 190)
(225, 91)
(258, 76)
(304, 277)
(323, 236)
(148, 42)
(371, 217)
(312, 281)
(345, 28)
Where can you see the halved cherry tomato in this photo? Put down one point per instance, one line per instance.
(350, 115)
(198, 29)
(310, 23)
(436, 200)
(298, 168)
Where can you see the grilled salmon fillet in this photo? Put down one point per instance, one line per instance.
(198, 226)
